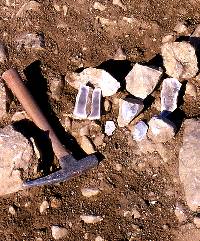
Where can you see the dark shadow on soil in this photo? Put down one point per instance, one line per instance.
(37, 85)
(118, 69)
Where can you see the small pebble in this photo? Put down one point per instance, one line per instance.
(98, 140)
(38, 239)
(107, 105)
(99, 238)
(181, 28)
(55, 203)
(91, 219)
(191, 90)
(68, 123)
(179, 212)
(110, 128)
(139, 131)
(119, 3)
(11, 210)
(44, 206)
(168, 38)
(118, 167)
(58, 232)
(87, 145)
(197, 222)
(99, 6)
(89, 192)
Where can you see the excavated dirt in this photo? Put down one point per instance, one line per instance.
(146, 182)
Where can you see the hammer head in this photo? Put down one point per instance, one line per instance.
(70, 168)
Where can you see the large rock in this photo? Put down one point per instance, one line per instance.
(161, 129)
(129, 108)
(189, 163)
(142, 80)
(15, 155)
(96, 77)
(180, 60)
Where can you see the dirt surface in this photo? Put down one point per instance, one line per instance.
(146, 182)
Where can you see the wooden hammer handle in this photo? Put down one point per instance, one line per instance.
(15, 83)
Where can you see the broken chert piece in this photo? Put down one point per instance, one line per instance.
(129, 108)
(96, 105)
(81, 102)
(109, 128)
(161, 129)
(139, 131)
(169, 94)
(97, 78)
(142, 80)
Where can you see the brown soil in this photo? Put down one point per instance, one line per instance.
(79, 40)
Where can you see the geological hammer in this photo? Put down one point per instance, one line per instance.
(69, 166)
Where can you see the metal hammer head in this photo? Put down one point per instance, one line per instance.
(70, 168)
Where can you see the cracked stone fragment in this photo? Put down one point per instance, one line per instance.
(139, 131)
(96, 105)
(99, 6)
(161, 129)
(129, 108)
(109, 128)
(142, 80)
(81, 102)
(180, 60)
(96, 77)
(169, 94)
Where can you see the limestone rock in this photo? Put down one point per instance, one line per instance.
(109, 128)
(180, 60)
(16, 153)
(96, 77)
(139, 131)
(142, 80)
(189, 163)
(129, 108)
(91, 219)
(58, 232)
(169, 94)
(161, 129)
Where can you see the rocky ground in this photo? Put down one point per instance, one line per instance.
(146, 187)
